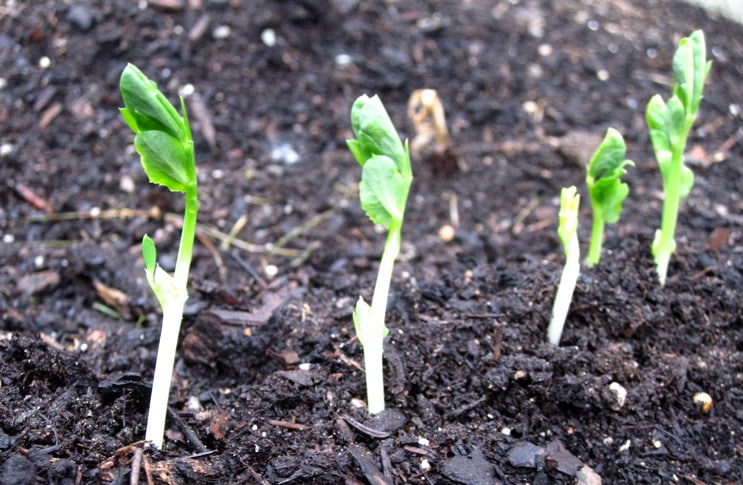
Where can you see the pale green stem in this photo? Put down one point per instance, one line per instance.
(374, 336)
(565, 289)
(672, 199)
(172, 317)
(597, 240)
(185, 250)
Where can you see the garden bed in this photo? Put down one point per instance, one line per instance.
(268, 385)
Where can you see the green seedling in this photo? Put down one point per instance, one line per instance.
(607, 191)
(568, 233)
(163, 141)
(385, 182)
(669, 124)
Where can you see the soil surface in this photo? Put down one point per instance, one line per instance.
(269, 386)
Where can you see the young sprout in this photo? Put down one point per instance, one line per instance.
(385, 181)
(426, 113)
(669, 124)
(568, 232)
(431, 141)
(163, 141)
(607, 191)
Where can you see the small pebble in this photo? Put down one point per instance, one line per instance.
(703, 401)
(268, 37)
(447, 233)
(221, 32)
(620, 392)
(81, 17)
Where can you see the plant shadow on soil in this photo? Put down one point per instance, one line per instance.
(268, 383)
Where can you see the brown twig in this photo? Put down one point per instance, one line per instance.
(374, 433)
(136, 466)
(288, 425)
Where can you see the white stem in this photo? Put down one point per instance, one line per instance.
(172, 316)
(564, 294)
(373, 353)
(374, 336)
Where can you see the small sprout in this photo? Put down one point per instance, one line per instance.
(568, 232)
(385, 182)
(669, 124)
(426, 113)
(431, 140)
(605, 188)
(704, 401)
(163, 141)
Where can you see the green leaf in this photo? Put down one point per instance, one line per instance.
(683, 74)
(165, 160)
(686, 181)
(163, 137)
(375, 134)
(607, 196)
(360, 316)
(701, 68)
(149, 253)
(356, 150)
(675, 122)
(603, 175)
(607, 159)
(383, 191)
(656, 119)
(690, 69)
(146, 107)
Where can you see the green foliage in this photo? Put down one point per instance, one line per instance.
(669, 124)
(385, 161)
(607, 191)
(386, 176)
(163, 141)
(163, 137)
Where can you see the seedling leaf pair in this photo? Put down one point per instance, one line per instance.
(386, 176)
(607, 191)
(163, 137)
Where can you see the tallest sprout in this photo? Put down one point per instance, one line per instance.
(383, 191)
(669, 125)
(163, 141)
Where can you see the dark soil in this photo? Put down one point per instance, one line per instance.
(268, 385)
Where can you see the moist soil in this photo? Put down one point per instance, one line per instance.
(269, 383)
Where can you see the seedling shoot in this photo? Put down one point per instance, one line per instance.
(605, 188)
(669, 123)
(163, 141)
(383, 191)
(568, 233)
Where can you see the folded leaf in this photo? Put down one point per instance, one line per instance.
(375, 134)
(568, 216)
(603, 175)
(146, 109)
(166, 160)
(383, 191)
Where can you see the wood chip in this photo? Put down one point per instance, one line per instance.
(718, 238)
(49, 114)
(38, 282)
(114, 298)
(172, 5)
(201, 115)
